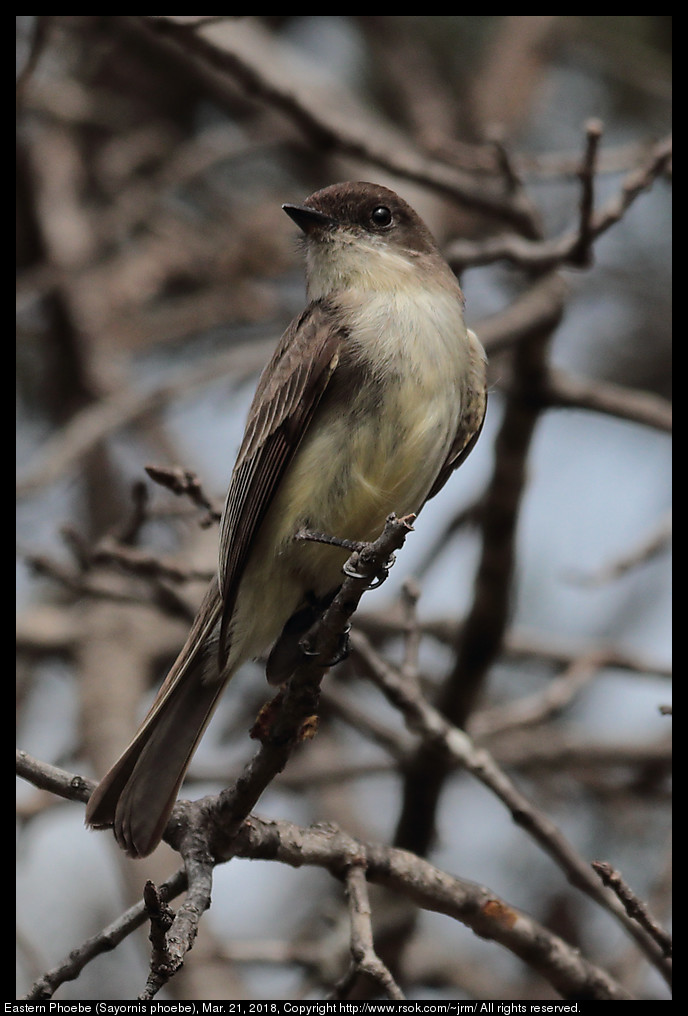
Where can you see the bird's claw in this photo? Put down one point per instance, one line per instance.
(378, 580)
(340, 653)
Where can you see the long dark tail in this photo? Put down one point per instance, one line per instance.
(137, 794)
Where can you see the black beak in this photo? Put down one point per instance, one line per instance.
(308, 219)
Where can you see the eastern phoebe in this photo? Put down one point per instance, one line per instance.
(374, 395)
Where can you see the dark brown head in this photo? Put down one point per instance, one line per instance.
(363, 209)
(364, 234)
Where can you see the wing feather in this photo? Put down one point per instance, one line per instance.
(286, 398)
(471, 420)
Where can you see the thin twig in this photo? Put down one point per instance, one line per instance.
(645, 551)
(634, 907)
(410, 594)
(184, 483)
(364, 959)
(528, 711)
(161, 918)
(144, 564)
(581, 254)
(173, 935)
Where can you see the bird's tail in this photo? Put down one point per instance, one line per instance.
(138, 793)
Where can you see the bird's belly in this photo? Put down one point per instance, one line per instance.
(354, 471)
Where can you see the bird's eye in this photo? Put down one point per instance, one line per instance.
(381, 216)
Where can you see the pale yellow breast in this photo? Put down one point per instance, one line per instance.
(359, 464)
(374, 449)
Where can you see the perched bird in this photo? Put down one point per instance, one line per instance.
(374, 395)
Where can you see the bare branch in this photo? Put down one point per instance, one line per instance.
(345, 137)
(545, 255)
(184, 482)
(52, 778)
(456, 745)
(534, 709)
(364, 959)
(565, 390)
(635, 908)
(653, 544)
(428, 887)
(581, 254)
(328, 847)
(64, 450)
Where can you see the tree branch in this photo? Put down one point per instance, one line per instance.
(455, 745)
(364, 959)
(634, 907)
(333, 133)
(327, 847)
(544, 255)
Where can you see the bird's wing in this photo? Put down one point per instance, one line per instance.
(286, 398)
(471, 419)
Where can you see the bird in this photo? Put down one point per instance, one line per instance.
(374, 395)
